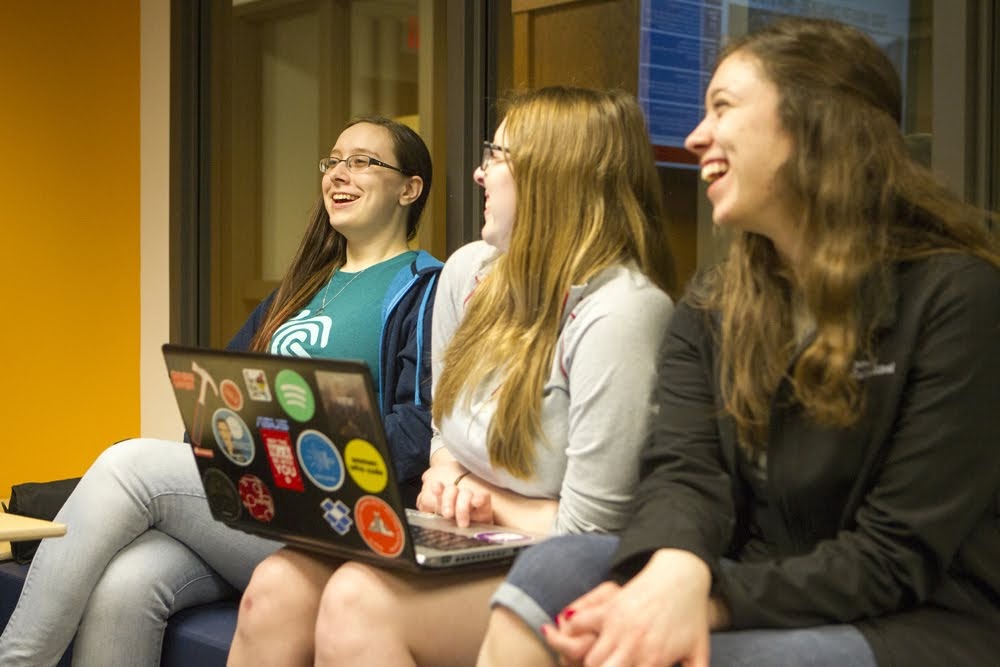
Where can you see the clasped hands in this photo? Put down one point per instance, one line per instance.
(454, 493)
(659, 618)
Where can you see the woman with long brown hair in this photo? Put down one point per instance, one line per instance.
(545, 337)
(820, 483)
(141, 542)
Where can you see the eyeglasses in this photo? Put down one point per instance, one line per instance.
(355, 164)
(488, 149)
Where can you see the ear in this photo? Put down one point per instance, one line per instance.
(411, 190)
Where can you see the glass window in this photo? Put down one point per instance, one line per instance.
(664, 51)
(281, 80)
(281, 77)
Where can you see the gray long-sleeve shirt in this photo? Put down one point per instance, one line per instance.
(596, 402)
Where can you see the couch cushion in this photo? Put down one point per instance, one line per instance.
(200, 635)
(197, 636)
(11, 581)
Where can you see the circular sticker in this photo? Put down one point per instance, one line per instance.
(365, 465)
(231, 394)
(232, 436)
(379, 526)
(256, 498)
(294, 395)
(320, 460)
(221, 494)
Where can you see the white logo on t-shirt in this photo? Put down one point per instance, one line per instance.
(301, 332)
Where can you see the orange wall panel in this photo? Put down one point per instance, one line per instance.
(69, 215)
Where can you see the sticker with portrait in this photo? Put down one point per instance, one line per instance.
(234, 439)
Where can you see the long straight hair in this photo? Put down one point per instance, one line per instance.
(588, 197)
(867, 205)
(323, 249)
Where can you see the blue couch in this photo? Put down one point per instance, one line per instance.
(197, 636)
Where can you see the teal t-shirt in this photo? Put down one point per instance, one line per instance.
(350, 324)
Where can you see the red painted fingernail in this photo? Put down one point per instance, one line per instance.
(569, 613)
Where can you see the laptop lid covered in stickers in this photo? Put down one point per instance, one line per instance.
(293, 449)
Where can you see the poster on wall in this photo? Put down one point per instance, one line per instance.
(679, 41)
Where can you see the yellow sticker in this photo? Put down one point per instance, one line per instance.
(365, 465)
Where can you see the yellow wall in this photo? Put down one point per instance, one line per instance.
(69, 224)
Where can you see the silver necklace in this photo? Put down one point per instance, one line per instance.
(323, 305)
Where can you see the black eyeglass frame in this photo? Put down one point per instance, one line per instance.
(330, 163)
(488, 149)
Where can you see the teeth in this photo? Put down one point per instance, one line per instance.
(341, 197)
(713, 171)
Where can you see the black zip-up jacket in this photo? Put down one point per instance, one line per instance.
(892, 524)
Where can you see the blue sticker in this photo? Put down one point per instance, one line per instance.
(338, 515)
(320, 460)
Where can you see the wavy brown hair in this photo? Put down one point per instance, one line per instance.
(867, 205)
(323, 249)
(588, 197)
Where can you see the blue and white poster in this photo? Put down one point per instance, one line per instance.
(679, 42)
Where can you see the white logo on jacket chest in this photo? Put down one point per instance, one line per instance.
(867, 369)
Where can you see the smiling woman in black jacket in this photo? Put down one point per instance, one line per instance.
(820, 483)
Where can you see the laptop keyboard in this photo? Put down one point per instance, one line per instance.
(442, 539)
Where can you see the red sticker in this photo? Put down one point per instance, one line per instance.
(182, 380)
(279, 453)
(379, 526)
(256, 498)
(231, 394)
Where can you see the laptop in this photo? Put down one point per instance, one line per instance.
(293, 449)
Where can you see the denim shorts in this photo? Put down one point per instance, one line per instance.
(549, 576)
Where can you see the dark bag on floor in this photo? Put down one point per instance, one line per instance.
(39, 500)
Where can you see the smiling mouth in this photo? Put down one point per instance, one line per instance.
(713, 171)
(343, 198)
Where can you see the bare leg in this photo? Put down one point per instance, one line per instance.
(370, 616)
(509, 641)
(278, 610)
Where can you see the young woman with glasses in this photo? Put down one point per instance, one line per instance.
(141, 543)
(545, 336)
(820, 486)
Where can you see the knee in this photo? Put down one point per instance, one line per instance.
(354, 591)
(273, 593)
(355, 601)
(126, 456)
(355, 606)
